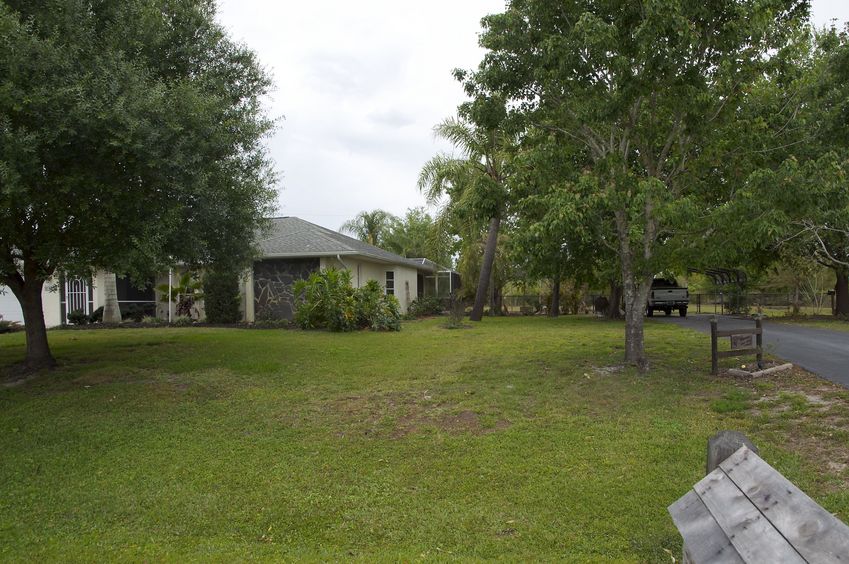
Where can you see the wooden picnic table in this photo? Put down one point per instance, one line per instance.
(746, 511)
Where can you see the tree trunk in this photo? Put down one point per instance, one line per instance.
(486, 269)
(636, 286)
(554, 311)
(28, 293)
(841, 294)
(614, 300)
(111, 309)
(636, 294)
(496, 305)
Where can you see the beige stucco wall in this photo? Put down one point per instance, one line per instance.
(406, 284)
(247, 306)
(406, 279)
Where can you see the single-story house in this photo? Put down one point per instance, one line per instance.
(293, 248)
(290, 250)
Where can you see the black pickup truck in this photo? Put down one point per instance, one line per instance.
(666, 295)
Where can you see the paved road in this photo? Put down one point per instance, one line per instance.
(822, 351)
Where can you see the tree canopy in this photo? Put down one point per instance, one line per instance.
(644, 88)
(131, 136)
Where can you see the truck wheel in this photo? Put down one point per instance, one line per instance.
(682, 312)
(667, 312)
(649, 312)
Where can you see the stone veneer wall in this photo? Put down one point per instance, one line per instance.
(273, 280)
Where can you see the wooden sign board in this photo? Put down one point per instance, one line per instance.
(741, 341)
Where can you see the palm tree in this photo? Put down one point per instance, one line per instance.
(111, 309)
(370, 227)
(474, 184)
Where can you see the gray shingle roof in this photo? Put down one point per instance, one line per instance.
(290, 237)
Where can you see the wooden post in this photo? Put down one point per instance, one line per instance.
(714, 348)
(759, 340)
(724, 444)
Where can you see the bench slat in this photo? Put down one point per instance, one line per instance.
(752, 535)
(704, 540)
(814, 532)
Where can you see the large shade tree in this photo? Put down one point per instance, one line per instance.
(794, 207)
(817, 220)
(130, 137)
(645, 86)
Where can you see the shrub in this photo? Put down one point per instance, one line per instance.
(151, 320)
(376, 310)
(96, 316)
(182, 321)
(9, 326)
(420, 307)
(136, 312)
(327, 300)
(78, 317)
(221, 296)
(456, 312)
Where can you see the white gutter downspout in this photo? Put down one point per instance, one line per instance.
(342, 262)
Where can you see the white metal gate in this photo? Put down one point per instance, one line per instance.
(76, 296)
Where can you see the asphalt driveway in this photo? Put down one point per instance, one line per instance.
(821, 351)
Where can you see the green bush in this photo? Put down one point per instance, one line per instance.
(326, 300)
(96, 316)
(421, 307)
(221, 296)
(136, 312)
(376, 310)
(7, 326)
(78, 317)
(182, 321)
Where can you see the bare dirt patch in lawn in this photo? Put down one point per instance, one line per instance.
(810, 415)
(466, 421)
(400, 414)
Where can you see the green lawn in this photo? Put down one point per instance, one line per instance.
(519, 438)
(821, 322)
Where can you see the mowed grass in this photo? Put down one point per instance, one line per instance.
(518, 439)
(819, 322)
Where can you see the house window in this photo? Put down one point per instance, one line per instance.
(390, 283)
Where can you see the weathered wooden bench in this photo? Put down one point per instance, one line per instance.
(746, 511)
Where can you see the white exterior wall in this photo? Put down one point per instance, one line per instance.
(97, 285)
(51, 303)
(10, 309)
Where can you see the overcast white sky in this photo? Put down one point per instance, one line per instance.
(361, 85)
